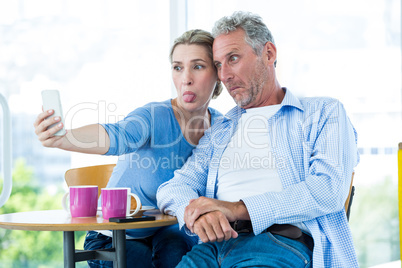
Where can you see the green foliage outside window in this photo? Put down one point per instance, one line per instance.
(32, 248)
(374, 223)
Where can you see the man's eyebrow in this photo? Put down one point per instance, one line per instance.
(230, 53)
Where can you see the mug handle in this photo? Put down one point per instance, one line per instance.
(63, 202)
(138, 204)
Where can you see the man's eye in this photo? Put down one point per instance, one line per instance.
(234, 58)
(218, 65)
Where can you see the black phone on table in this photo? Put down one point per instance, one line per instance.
(132, 219)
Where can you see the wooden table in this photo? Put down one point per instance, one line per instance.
(60, 220)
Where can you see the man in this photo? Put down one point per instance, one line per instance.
(265, 186)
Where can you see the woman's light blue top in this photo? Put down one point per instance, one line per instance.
(151, 147)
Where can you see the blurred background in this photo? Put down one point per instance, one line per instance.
(108, 57)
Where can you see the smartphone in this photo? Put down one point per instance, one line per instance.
(132, 219)
(51, 100)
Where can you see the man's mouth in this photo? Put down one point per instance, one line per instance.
(233, 87)
(233, 90)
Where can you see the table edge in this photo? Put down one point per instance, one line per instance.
(85, 226)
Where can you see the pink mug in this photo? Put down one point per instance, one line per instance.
(83, 200)
(116, 202)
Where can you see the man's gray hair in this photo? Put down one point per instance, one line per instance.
(257, 33)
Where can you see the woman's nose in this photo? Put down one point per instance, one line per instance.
(187, 82)
(187, 78)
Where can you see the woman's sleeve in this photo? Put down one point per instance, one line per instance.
(131, 133)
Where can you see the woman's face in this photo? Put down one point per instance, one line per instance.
(194, 77)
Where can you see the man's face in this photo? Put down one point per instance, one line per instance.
(243, 73)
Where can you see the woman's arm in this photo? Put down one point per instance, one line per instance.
(90, 139)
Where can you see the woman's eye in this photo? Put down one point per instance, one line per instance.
(198, 67)
(177, 68)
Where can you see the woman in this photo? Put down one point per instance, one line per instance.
(153, 141)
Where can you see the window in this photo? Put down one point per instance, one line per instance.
(105, 57)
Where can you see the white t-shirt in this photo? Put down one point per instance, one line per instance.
(248, 166)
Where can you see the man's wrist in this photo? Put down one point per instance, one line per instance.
(241, 212)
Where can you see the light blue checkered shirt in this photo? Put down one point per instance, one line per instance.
(316, 146)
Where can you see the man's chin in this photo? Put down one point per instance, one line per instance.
(241, 102)
(237, 99)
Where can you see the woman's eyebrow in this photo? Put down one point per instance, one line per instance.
(193, 60)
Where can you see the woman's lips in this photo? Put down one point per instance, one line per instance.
(189, 96)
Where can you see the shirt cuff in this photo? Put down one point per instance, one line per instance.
(261, 214)
(180, 219)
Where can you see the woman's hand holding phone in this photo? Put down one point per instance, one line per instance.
(49, 125)
(51, 101)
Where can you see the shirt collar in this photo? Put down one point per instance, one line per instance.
(234, 114)
(291, 100)
(288, 100)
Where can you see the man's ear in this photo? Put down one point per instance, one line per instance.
(270, 52)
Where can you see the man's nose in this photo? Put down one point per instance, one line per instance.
(225, 73)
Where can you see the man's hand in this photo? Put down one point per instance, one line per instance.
(214, 226)
(202, 205)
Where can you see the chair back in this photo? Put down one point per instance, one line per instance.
(92, 175)
(349, 200)
(400, 194)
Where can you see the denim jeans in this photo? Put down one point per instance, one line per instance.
(248, 250)
(164, 249)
